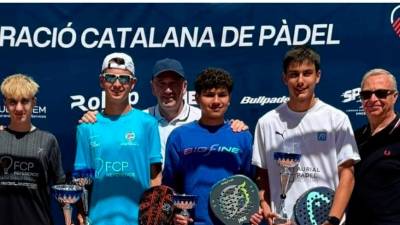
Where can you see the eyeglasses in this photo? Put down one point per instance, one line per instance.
(123, 78)
(380, 93)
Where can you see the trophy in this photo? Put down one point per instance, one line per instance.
(185, 203)
(83, 177)
(287, 159)
(67, 194)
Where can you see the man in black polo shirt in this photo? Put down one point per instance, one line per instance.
(30, 159)
(376, 196)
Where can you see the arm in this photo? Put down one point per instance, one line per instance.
(83, 159)
(155, 173)
(171, 175)
(56, 171)
(80, 215)
(88, 117)
(344, 190)
(347, 155)
(238, 125)
(154, 147)
(262, 181)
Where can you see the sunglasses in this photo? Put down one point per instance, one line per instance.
(380, 93)
(123, 78)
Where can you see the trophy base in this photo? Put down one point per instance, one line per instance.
(280, 220)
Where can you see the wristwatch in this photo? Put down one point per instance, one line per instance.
(333, 220)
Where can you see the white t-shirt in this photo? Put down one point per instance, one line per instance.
(188, 114)
(325, 138)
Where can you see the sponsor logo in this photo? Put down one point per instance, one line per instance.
(18, 171)
(16, 165)
(395, 20)
(113, 168)
(130, 139)
(281, 134)
(352, 100)
(93, 141)
(6, 163)
(263, 100)
(39, 111)
(306, 173)
(95, 103)
(130, 136)
(321, 136)
(205, 150)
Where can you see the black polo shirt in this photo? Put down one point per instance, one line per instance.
(376, 195)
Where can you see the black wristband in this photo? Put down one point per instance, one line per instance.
(333, 220)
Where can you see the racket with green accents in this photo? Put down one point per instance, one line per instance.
(233, 200)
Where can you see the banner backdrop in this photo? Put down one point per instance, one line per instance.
(62, 47)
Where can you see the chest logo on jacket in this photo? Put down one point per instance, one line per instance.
(207, 150)
(322, 136)
(130, 138)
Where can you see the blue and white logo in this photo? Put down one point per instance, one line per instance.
(321, 136)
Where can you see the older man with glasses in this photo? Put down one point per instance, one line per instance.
(376, 196)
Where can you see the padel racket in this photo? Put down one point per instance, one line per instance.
(233, 200)
(312, 208)
(156, 206)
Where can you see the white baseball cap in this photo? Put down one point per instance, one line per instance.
(127, 63)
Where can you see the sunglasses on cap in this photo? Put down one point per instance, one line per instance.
(123, 78)
(380, 93)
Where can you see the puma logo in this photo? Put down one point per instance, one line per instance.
(280, 134)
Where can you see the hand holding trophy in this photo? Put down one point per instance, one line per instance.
(84, 177)
(185, 203)
(67, 194)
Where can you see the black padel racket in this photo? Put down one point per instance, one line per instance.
(156, 206)
(233, 200)
(312, 208)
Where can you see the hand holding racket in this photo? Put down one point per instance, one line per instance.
(234, 200)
